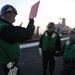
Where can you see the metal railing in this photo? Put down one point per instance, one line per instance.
(37, 43)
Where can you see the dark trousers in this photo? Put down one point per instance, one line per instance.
(6, 70)
(48, 59)
(68, 68)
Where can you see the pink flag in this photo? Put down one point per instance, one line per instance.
(34, 10)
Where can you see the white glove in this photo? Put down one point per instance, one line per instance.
(13, 71)
(55, 58)
(56, 52)
(10, 64)
(40, 51)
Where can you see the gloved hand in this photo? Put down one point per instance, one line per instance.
(57, 53)
(40, 51)
(10, 64)
(31, 21)
(13, 71)
(55, 58)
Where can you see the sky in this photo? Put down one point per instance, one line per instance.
(49, 11)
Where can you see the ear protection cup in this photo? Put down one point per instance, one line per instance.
(8, 14)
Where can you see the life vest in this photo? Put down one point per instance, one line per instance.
(8, 52)
(49, 42)
(69, 52)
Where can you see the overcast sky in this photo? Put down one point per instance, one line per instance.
(49, 10)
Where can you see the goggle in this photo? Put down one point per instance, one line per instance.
(49, 27)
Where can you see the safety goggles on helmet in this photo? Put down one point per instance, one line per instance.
(49, 27)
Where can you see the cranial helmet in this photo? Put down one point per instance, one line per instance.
(51, 24)
(5, 7)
